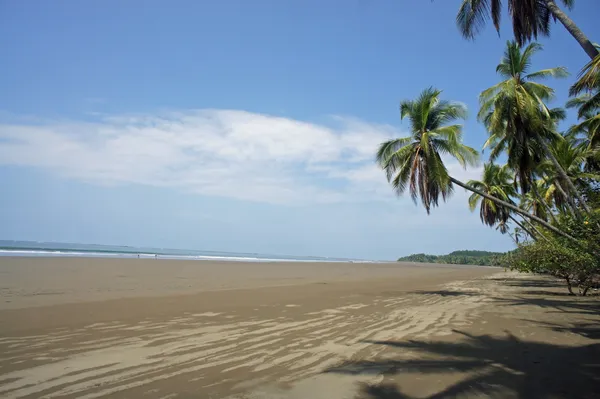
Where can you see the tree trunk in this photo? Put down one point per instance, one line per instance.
(514, 208)
(542, 201)
(573, 29)
(569, 287)
(563, 194)
(570, 205)
(523, 227)
(563, 174)
(539, 233)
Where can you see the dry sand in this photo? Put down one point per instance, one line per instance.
(87, 328)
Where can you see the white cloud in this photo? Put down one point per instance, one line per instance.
(225, 153)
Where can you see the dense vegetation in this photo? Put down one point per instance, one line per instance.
(547, 194)
(481, 258)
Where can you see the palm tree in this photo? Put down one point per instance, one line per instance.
(414, 163)
(515, 114)
(518, 234)
(588, 104)
(535, 202)
(495, 181)
(553, 193)
(530, 18)
(573, 159)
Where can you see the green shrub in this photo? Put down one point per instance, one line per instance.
(577, 263)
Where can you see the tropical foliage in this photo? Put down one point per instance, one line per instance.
(481, 258)
(515, 113)
(530, 19)
(415, 163)
(586, 93)
(547, 194)
(577, 263)
(496, 181)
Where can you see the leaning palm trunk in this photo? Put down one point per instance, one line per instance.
(573, 29)
(570, 186)
(523, 227)
(570, 205)
(541, 200)
(538, 232)
(515, 208)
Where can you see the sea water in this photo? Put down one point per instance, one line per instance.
(44, 249)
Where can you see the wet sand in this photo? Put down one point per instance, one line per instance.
(87, 328)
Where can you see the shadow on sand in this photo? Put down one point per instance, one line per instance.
(446, 293)
(587, 330)
(501, 367)
(584, 306)
(544, 282)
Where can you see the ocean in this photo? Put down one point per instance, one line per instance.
(34, 248)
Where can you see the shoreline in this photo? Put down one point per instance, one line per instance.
(52, 249)
(150, 256)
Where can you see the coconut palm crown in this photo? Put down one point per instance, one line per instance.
(515, 113)
(530, 19)
(415, 163)
(496, 181)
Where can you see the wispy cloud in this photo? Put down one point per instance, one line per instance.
(225, 153)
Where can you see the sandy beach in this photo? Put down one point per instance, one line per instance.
(128, 328)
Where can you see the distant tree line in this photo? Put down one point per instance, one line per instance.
(481, 258)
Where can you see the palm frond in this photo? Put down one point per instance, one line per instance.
(473, 14)
(473, 201)
(558, 72)
(588, 78)
(526, 54)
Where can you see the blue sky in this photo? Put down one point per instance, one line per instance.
(236, 125)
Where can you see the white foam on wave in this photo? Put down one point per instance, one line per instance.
(59, 253)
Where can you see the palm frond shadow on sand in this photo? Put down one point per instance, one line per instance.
(588, 330)
(559, 305)
(501, 367)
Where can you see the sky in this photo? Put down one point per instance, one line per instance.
(239, 126)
